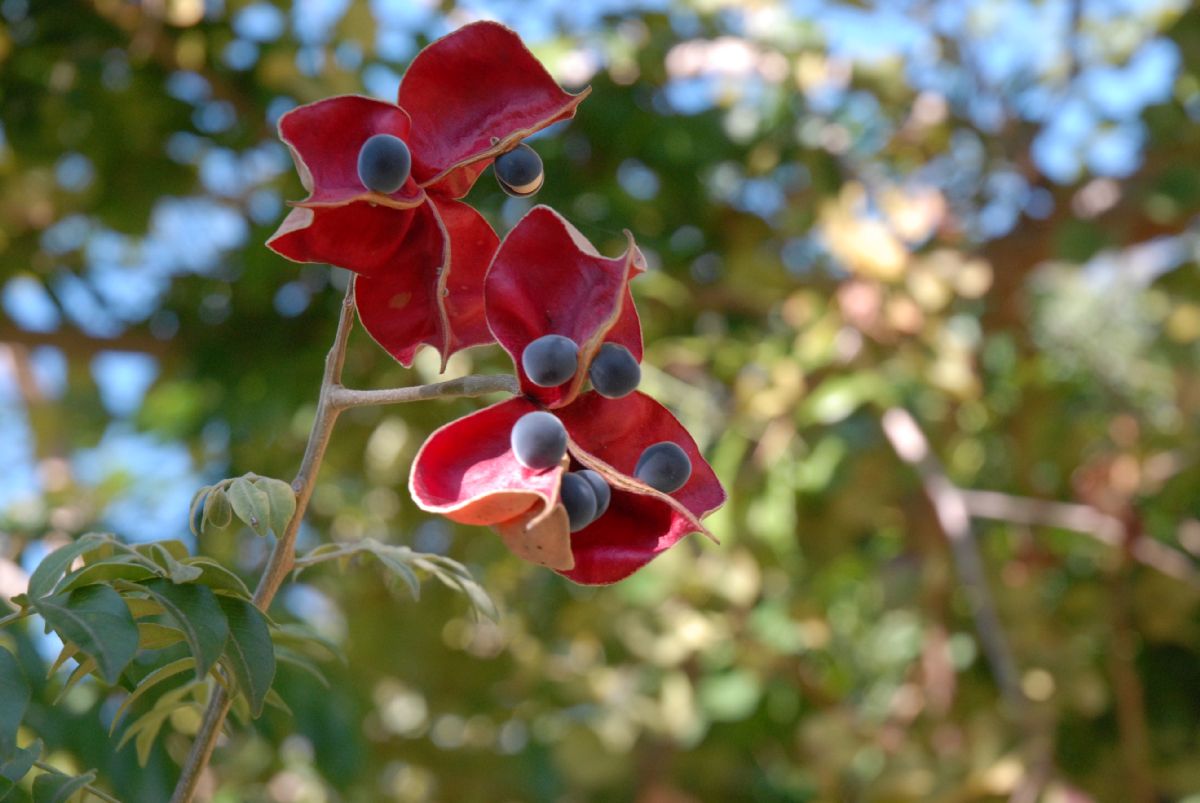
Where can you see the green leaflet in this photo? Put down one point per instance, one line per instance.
(54, 787)
(54, 565)
(282, 501)
(14, 698)
(196, 612)
(163, 673)
(251, 504)
(249, 651)
(97, 620)
(16, 765)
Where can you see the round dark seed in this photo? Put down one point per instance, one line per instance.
(519, 171)
(664, 467)
(539, 440)
(384, 163)
(579, 499)
(599, 488)
(550, 360)
(614, 372)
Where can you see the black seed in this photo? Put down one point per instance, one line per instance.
(519, 171)
(539, 440)
(579, 499)
(550, 360)
(384, 163)
(664, 467)
(599, 488)
(614, 372)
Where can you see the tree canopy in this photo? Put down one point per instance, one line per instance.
(922, 282)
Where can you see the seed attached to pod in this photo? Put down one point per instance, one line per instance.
(384, 163)
(539, 440)
(614, 372)
(550, 360)
(664, 467)
(579, 500)
(519, 171)
(599, 488)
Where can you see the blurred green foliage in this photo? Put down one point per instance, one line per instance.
(959, 209)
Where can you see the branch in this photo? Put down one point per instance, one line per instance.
(332, 400)
(464, 387)
(950, 508)
(1081, 519)
(282, 555)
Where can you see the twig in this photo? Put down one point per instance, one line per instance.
(464, 387)
(950, 509)
(332, 400)
(1084, 519)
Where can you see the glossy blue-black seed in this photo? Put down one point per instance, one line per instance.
(539, 440)
(384, 163)
(614, 372)
(599, 488)
(664, 467)
(550, 360)
(579, 499)
(519, 171)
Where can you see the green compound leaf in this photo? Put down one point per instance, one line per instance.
(249, 651)
(14, 698)
(96, 619)
(55, 787)
(250, 504)
(54, 565)
(196, 613)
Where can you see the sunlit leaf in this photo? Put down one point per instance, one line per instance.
(156, 636)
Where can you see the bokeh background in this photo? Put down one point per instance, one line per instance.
(924, 284)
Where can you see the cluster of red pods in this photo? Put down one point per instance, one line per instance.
(593, 483)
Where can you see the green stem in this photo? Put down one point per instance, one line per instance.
(15, 616)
